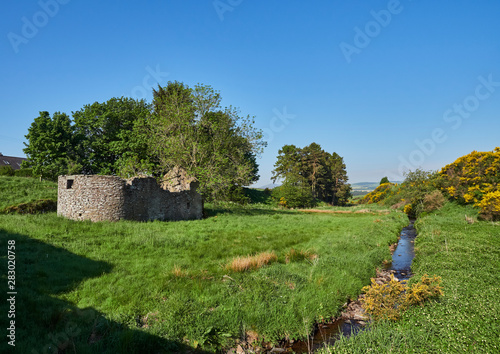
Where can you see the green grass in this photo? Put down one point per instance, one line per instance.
(467, 317)
(90, 286)
(17, 190)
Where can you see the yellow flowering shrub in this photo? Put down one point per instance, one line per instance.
(475, 179)
(490, 206)
(379, 194)
(389, 300)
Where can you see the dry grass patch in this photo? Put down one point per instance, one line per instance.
(178, 272)
(242, 264)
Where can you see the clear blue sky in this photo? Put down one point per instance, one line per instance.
(388, 85)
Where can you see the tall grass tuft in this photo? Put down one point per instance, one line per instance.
(242, 264)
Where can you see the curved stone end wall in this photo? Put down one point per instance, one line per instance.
(95, 198)
(100, 198)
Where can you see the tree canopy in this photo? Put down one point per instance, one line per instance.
(189, 128)
(52, 147)
(324, 173)
(182, 127)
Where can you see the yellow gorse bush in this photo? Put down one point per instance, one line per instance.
(390, 300)
(380, 193)
(475, 179)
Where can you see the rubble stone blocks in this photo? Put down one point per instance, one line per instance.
(110, 198)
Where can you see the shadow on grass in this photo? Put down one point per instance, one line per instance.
(46, 324)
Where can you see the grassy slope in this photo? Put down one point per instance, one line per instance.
(467, 317)
(120, 272)
(16, 190)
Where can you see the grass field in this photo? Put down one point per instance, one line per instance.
(16, 190)
(131, 287)
(467, 317)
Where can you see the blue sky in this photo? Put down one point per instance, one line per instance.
(388, 85)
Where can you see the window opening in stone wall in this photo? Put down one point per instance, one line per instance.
(69, 183)
(188, 205)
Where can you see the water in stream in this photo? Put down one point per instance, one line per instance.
(404, 253)
(401, 265)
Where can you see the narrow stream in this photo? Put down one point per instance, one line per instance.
(328, 333)
(404, 253)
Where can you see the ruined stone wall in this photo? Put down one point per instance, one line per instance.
(95, 198)
(99, 198)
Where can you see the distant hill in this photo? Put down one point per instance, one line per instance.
(270, 186)
(364, 186)
(367, 186)
(359, 186)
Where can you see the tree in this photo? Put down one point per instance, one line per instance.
(384, 180)
(51, 147)
(189, 129)
(324, 173)
(288, 163)
(340, 189)
(107, 136)
(295, 192)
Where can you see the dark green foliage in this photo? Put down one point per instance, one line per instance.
(324, 173)
(295, 192)
(52, 148)
(6, 171)
(384, 180)
(106, 136)
(259, 196)
(24, 172)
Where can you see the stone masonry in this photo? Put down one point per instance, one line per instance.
(110, 198)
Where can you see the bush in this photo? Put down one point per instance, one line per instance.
(24, 172)
(294, 194)
(379, 194)
(384, 180)
(490, 206)
(433, 201)
(470, 177)
(6, 171)
(388, 301)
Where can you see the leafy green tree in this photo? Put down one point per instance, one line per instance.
(295, 192)
(108, 141)
(52, 147)
(324, 173)
(288, 163)
(315, 169)
(340, 189)
(189, 129)
(384, 180)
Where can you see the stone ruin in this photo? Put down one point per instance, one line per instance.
(110, 198)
